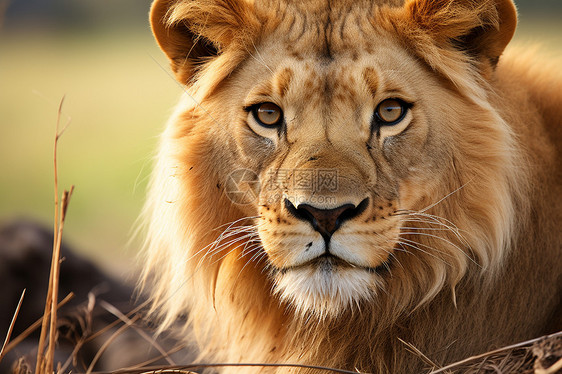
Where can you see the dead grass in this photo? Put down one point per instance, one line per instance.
(3, 350)
(45, 356)
(536, 356)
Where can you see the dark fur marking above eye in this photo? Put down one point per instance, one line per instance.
(371, 80)
(283, 81)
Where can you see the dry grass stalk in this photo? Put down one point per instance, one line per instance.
(21, 337)
(185, 369)
(116, 312)
(525, 347)
(144, 364)
(108, 342)
(21, 367)
(54, 279)
(116, 322)
(45, 358)
(414, 350)
(3, 351)
(170, 371)
(80, 343)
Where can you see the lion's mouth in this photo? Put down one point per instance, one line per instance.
(329, 263)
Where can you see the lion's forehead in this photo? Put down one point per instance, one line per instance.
(322, 83)
(343, 84)
(336, 58)
(327, 28)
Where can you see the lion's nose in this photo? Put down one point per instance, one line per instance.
(326, 221)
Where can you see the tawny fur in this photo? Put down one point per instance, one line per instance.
(463, 195)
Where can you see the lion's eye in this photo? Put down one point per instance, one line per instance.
(391, 111)
(268, 114)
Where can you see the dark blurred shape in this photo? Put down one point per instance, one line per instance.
(62, 15)
(25, 260)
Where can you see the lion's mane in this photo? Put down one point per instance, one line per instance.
(487, 270)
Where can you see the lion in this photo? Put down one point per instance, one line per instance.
(343, 180)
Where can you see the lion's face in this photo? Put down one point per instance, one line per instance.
(337, 150)
(340, 153)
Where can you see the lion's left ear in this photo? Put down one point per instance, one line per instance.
(480, 28)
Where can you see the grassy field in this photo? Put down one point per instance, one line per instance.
(118, 97)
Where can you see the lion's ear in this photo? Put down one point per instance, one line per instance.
(194, 32)
(480, 28)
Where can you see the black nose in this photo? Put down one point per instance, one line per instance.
(326, 221)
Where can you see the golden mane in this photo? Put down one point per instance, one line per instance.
(466, 194)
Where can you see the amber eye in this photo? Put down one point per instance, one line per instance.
(267, 114)
(391, 111)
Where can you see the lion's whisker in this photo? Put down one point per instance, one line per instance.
(231, 223)
(426, 246)
(256, 257)
(425, 228)
(435, 219)
(445, 197)
(445, 240)
(434, 222)
(219, 248)
(438, 218)
(426, 252)
(216, 247)
(229, 231)
(208, 248)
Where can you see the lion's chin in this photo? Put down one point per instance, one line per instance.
(324, 290)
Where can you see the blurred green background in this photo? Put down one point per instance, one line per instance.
(100, 55)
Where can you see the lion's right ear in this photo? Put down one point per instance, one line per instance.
(193, 32)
